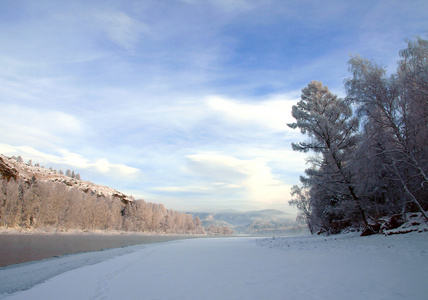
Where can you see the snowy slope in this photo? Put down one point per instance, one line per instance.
(26, 172)
(336, 267)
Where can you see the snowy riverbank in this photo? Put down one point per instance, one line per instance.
(335, 267)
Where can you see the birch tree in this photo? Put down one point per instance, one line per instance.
(395, 113)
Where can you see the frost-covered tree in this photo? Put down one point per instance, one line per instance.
(307, 208)
(332, 130)
(57, 206)
(395, 114)
(374, 170)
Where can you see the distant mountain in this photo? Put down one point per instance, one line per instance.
(252, 222)
(239, 218)
(11, 167)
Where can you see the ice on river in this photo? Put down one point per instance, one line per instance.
(335, 267)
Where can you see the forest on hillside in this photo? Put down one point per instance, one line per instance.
(369, 160)
(33, 197)
(52, 205)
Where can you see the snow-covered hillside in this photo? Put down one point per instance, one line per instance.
(10, 167)
(310, 267)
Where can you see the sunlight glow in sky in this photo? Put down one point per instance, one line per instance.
(182, 102)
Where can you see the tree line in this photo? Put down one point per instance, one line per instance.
(68, 172)
(369, 150)
(54, 205)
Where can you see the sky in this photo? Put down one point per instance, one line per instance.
(182, 102)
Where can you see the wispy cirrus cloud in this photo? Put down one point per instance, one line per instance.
(122, 29)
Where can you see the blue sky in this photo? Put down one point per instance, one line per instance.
(182, 102)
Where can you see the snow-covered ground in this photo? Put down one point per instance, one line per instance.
(335, 267)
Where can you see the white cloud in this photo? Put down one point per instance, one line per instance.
(26, 151)
(104, 166)
(282, 158)
(70, 159)
(252, 178)
(183, 189)
(47, 121)
(273, 113)
(22, 125)
(227, 181)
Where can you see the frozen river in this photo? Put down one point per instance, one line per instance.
(338, 267)
(18, 248)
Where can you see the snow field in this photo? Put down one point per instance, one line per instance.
(338, 267)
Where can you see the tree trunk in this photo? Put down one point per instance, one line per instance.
(409, 193)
